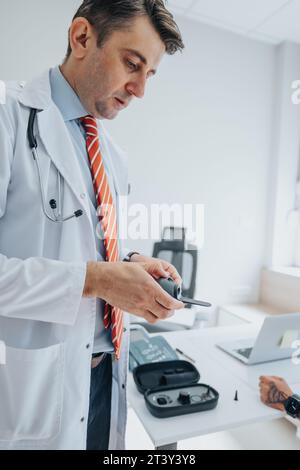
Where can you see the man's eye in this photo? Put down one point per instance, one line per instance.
(131, 65)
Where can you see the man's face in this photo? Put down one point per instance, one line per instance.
(111, 76)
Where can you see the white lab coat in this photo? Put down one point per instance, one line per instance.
(46, 325)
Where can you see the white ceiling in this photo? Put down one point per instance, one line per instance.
(272, 21)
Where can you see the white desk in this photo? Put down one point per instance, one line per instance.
(226, 375)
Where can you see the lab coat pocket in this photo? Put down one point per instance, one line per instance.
(31, 393)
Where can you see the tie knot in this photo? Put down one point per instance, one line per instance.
(90, 125)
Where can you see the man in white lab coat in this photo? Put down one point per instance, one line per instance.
(61, 385)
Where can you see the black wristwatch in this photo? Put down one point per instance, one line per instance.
(128, 257)
(292, 406)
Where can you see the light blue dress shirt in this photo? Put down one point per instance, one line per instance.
(72, 109)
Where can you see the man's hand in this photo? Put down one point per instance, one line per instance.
(130, 287)
(274, 391)
(157, 267)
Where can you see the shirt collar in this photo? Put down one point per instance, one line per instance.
(65, 97)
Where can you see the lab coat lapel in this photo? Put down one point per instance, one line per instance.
(37, 93)
(60, 149)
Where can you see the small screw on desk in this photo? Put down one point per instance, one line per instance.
(236, 396)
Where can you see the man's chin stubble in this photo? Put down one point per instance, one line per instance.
(105, 114)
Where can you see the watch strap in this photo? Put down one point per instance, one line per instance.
(127, 258)
(292, 406)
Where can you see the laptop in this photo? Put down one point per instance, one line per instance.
(276, 340)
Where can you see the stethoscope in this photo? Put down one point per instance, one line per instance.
(55, 205)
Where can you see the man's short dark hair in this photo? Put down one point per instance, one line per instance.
(107, 16)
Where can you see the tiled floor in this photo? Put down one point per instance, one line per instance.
(275, 435)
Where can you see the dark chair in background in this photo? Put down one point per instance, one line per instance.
(172, 248)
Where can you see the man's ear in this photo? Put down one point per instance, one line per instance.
(81, 37)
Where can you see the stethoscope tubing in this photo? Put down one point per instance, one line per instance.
(58, 218)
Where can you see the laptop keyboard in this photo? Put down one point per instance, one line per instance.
(245, 352)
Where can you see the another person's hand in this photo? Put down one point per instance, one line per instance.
(158, 267)
(274, 391)
(130, 287)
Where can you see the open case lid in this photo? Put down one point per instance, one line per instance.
(165, 374)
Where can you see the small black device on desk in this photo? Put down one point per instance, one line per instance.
(171, 388)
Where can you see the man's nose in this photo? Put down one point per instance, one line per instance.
(137, 87)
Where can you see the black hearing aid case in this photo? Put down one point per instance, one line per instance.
(171, 388)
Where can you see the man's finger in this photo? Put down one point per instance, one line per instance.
(263, 398)
(276, 379)
(160, 272)
(160, 311)
(150, 318)
(264, 389)
(164, 299)
(174, 274)
(265, 379)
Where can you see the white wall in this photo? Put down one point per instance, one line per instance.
(283, 237)
(33, 35)
(201, 135)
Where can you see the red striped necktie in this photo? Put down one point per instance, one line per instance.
(113, 317)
